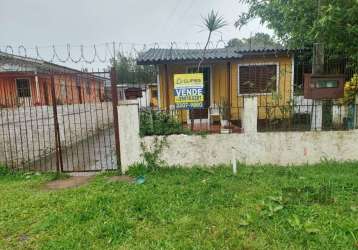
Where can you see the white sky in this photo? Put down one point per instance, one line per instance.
(47, 22)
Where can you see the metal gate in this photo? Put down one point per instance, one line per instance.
(70, 125)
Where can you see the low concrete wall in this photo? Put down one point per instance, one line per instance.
(27, 133)
(281, 148)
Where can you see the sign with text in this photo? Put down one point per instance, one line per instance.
(188, 91)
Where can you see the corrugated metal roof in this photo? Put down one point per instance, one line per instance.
(21, 63)
(158, 56)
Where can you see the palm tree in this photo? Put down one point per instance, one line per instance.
(213, 22)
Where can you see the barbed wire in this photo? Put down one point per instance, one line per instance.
(101, 53)
(96, 53)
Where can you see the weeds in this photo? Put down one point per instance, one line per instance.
(259, 208)
(151, 156)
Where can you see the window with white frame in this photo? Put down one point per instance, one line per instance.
(258, 78)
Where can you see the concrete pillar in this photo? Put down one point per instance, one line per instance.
(249, 115)
(316, 121)
(128, 121)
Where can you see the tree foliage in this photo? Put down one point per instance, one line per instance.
(213, 22)
(261, 40)
(129, 72)
(300, 23)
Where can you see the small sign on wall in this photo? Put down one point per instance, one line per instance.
(188, 91)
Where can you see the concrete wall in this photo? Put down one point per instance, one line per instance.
(280, 148)
(28, 134)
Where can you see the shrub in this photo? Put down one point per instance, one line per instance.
(159, 123)
(4, 171)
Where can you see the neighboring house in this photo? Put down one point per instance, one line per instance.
(147, 94)
(230, 74)
(27, 82)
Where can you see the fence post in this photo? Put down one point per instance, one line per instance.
(114, 93)
(249, 115)
(128, 111)
(59, 162)
(316, 119)
(356, 113)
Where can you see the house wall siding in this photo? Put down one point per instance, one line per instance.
(220, 84)
(8, 91)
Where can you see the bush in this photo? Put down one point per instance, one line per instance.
(159, 123)
(4, 171)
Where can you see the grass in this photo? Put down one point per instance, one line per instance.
(260, 208)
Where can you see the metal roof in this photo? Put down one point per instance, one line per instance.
(159, 56)
(15, 63)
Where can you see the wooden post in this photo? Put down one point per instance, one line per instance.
(167, 87)
(229, 87)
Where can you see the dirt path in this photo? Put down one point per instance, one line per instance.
(96, 153)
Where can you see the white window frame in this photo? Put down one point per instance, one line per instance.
(258, 64)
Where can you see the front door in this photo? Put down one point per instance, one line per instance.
(202, 113)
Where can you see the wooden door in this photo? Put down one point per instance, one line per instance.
(202, 113)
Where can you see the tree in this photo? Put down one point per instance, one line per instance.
(259, 40)
(129, 72)
(300, 23)
(213, 22)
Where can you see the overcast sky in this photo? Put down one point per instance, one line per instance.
(47, 22)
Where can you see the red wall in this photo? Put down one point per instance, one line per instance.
(69, 89)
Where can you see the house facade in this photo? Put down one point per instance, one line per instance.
(230, 75)
(27, 82)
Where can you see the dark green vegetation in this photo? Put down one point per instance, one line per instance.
(260, 208)
(159, 123)
(259, 40)
(300, 23)
(128, 72)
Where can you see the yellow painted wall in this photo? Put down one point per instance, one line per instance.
(220, 87)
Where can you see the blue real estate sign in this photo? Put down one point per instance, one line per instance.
(188, 91)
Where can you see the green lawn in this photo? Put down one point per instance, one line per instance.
(260, 208)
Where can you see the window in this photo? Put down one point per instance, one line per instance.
(23, 88)
(323, 84)
(257, 79)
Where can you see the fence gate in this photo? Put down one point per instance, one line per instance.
(70, 124)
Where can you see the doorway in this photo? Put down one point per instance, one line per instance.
(202, 113)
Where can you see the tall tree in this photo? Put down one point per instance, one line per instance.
(301, 23)
(261, 40)
(129, 72)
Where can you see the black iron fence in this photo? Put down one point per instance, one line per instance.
(283, 103)
(57, 119)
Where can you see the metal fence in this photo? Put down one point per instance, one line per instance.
(57, 119)
(279, 88)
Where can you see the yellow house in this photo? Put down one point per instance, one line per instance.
(230, 75)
